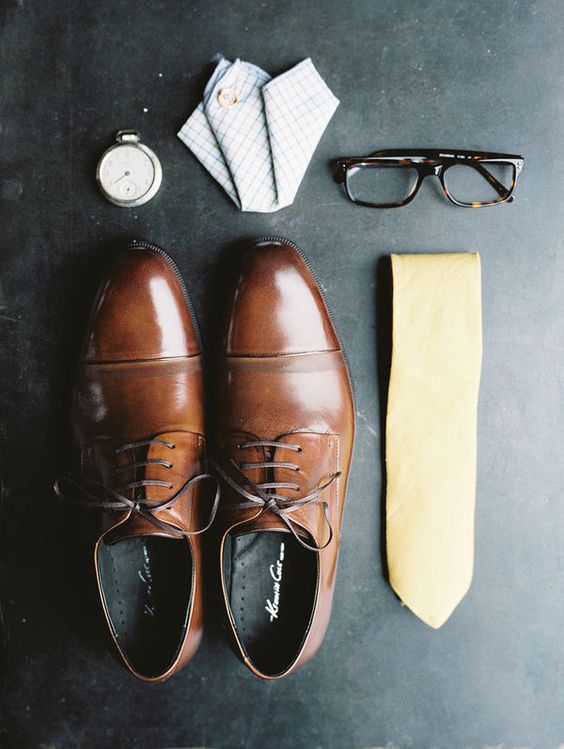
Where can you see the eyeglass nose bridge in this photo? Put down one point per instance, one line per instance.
(430, 170)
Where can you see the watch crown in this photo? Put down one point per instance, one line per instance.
(124, 136)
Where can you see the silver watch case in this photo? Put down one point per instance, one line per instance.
(131, 137)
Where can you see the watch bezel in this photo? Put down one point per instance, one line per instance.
(153, 189)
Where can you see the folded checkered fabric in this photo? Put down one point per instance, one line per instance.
(256, 134)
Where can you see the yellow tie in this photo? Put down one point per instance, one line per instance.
(431, 430)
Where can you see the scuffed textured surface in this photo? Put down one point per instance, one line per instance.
(408, 74)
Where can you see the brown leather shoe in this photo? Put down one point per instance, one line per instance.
(285, 439)
(138, 423)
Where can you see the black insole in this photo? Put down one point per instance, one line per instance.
(271, 580)
(147, 584)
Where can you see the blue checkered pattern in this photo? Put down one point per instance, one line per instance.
(259, 149)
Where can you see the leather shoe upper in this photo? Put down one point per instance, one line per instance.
(285, 430)
(138, 422)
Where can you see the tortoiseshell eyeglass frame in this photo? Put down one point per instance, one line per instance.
(433, 163)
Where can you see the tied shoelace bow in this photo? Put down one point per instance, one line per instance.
(263, 494)
(114, 500)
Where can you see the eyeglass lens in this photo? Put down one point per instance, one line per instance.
(381, 184)
(483, 183)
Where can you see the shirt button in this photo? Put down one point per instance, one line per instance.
(227, 97)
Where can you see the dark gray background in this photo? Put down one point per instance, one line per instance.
(422, 73)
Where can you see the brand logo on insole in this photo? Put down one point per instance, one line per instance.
(147, 577)
(272, 606)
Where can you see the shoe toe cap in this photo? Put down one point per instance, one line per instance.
(278, 307)
(141, 312)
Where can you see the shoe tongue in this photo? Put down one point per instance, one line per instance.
(311, 460)
(270, 520)
(136, 526)
(267, 521)
(184, 458)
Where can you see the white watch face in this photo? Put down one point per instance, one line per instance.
(126, 173)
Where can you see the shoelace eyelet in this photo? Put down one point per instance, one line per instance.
(109, 497)
(256, 494)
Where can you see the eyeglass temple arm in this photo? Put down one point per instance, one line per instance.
(498, 187)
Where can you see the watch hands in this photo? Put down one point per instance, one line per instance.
(125, 174)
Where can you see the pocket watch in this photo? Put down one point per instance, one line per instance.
(128, 173)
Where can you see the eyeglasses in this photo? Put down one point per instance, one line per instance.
(389, 179)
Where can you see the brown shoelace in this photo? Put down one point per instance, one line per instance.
(111, 498)
(264, 494)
